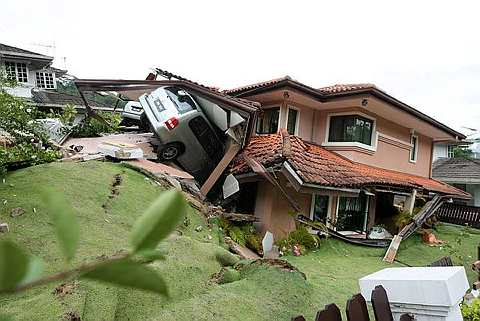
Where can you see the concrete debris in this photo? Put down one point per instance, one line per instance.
(120, 150)
(158, 168)
(199, 228)
(17, 211)
(89, 145)
(4, 228)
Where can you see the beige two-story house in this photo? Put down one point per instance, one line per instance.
(349, 155)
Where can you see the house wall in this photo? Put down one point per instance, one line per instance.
(390, 142)
(24, 90)
(275, 212)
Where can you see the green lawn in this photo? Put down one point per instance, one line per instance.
(263, 293)
(335, 268)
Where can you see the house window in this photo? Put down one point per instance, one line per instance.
(350, 128)
(451, 151)
(268, 122)
(352, 213)
(292, 121)
(319, 210)
(45, 80)
(16, 71)
(414, 150)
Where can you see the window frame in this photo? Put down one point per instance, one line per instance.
(16, 69)
(366, 212)
(373, 139)
(297, 120)
(43, 76)
(278, 121)
(329, 207)
(413, 149)
(452, 147)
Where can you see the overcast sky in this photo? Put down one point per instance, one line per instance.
(426, 53)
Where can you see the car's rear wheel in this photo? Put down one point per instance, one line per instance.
(171, 151)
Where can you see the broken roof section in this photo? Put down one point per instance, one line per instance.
(234, 116)
(309, 165)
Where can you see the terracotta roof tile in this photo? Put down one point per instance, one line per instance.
(257, 85)
(341, 88)
(316, 165)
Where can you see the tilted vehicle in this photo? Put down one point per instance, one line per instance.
(185, 133)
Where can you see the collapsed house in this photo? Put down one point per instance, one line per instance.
(349, 156)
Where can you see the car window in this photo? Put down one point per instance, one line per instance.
(182, 101)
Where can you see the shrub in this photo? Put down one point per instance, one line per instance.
(93, 127)
(28, 142)
(301, 236)
(471, 312)
(226, 258)
(254, 242)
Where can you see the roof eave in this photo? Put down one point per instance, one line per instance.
(394, 101)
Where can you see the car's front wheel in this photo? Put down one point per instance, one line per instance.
(171, 151)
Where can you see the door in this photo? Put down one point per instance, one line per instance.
(352, 213)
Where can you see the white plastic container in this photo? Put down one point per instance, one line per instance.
(429, 293)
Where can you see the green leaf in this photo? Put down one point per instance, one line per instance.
(158, 221)
(65, 221)
(34, 270)
(6, 317)
(13, 265)
(129, 273)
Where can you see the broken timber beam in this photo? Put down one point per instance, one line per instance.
(427, 211)
(231, 152)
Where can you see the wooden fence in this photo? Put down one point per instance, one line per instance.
(459, 214)
(356, 309)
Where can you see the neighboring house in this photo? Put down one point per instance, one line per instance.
(349, 155)
(36, 78)
(463, 173)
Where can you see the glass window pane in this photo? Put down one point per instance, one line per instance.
(182, 101)
(268, 122)
(292, 121)
(350, 128)
(413, 151)
(352, 213)
(320, 208)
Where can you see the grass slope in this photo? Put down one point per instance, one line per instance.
(263, 293)
(188, 269)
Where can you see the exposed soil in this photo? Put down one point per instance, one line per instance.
(65, 289)
(114, 191)
(71, 316)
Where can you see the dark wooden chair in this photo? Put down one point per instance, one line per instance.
(299, 318)
(330, 313)
(357, 309)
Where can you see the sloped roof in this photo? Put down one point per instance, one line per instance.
(329, 93)
(457, 170)
(15, 50)
(316, 165)
(47, 97)
(257, 85)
